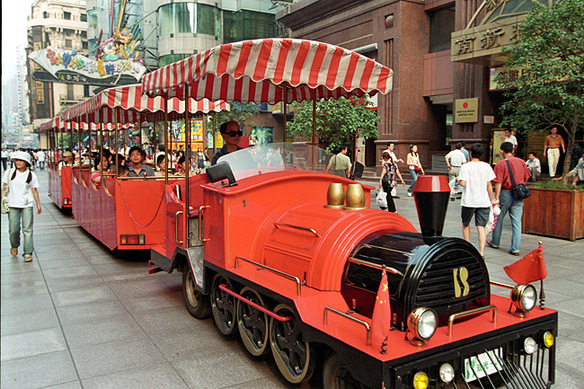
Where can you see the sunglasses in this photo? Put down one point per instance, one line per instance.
(234, 133)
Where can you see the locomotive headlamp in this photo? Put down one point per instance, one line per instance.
(446, 373)
(529, 345)
(524, 298)
(422, 322)
(421, 380)
(548, 339)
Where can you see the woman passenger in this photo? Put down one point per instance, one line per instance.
(161, 165)
(182, 163)
(138, 169)
(100, 167)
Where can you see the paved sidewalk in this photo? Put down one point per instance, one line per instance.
(80, 317)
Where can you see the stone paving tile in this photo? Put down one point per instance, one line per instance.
(158, 376)
(108, 358)
(28, 344)
(17, 323)
(86, 313)
(101, 331)
(54, 369)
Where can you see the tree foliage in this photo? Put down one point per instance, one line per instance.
(544, 83)
(337, 121)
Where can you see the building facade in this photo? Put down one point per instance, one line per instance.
(441, 89)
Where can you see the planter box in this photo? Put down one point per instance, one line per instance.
(557, 213)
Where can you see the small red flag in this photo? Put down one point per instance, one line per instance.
(528, 269)
(381, 318)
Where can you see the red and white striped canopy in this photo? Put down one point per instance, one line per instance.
(260, 70)
(133, 106)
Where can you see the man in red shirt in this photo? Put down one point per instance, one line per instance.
(504, 195)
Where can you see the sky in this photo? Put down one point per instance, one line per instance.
(14, 14)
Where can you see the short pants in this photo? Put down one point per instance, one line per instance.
(481, 216)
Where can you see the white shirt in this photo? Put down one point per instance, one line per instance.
(41, 156)
(20, 195)
(511, 140)
(457, 158)
(535, 162)
(476, 176)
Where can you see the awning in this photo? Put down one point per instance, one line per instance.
(260, 71)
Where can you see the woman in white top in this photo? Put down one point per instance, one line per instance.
(415, 166)
(23, 184)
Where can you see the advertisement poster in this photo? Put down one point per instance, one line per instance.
(498, 138)
(262, 135)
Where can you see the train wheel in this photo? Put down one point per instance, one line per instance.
(291, 352)
(223, 306)
(197, 303)
(336, 375)
(252, 323)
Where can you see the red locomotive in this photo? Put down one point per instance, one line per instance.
(292, 259)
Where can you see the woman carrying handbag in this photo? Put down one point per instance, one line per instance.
(415, 166)
(23, 185)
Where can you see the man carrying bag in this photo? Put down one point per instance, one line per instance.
(511, 175)
(340, 163)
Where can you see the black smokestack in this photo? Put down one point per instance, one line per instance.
(431, 194)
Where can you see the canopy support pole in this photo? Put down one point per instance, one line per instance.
(313, 140)
(284, 103)
(167, 155)
(117, 140)
(187, 165)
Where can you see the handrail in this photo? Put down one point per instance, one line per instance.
(469, 313)
(306, 229)
(224, 288)
(201, 208)
(375, 266)
(176, 227)
(281, 273)
(346, 316)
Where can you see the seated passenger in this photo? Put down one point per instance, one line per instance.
(161, 165)
(67, 160)
(182, 164)
(100, 167)
(138, 169)
(123, 171)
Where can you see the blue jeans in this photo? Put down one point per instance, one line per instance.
(14, 216)
(508, 203)
(414, 178)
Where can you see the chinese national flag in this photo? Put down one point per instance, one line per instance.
(381, 319)
(528, 269)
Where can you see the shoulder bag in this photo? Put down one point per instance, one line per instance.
(5, 190)
(520, 191)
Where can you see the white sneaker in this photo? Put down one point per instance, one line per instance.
(410, 194)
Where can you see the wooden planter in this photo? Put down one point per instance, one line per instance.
(557, 213)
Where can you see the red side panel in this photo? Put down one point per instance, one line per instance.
(66, 172)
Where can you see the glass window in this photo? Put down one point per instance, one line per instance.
(67, 15)
(176, 18)
(83, 17)
(92, 22)
(207, 19)
(441, 26)
(168, 59)
(245, 25)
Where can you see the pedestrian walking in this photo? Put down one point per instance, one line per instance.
(477, 196)
(509, 137)
(41, 157)
(23, 185)
(505, 197)
(551, 149)
(454, 160)
(389, 171)
(415, 166)
(390, 149)
(339, 163)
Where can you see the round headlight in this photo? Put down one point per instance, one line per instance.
(548, 339)
(524, 298)
(422, 322)
(529, 345)
(446, 373)
(421, 380)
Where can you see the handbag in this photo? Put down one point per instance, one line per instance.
(520, 191)
(5, 191)
(339, 172)
(382, 199)
(417, 169)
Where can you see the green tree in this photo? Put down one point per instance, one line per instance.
(337, 121)
(545, 78)
(241, 113)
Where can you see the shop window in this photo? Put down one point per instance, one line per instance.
(441, 26)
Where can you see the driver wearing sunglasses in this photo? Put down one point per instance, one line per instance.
(231, 135)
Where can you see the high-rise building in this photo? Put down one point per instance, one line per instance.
(60, 25)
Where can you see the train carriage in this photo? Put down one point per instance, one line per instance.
(293, 260)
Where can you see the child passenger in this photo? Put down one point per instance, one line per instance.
(137, 157)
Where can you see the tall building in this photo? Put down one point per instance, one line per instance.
(60, 25)
(441, 52)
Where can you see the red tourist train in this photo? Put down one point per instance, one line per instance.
(276, 255)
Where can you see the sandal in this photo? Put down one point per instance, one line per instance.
(28, 258)
(14, 252)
